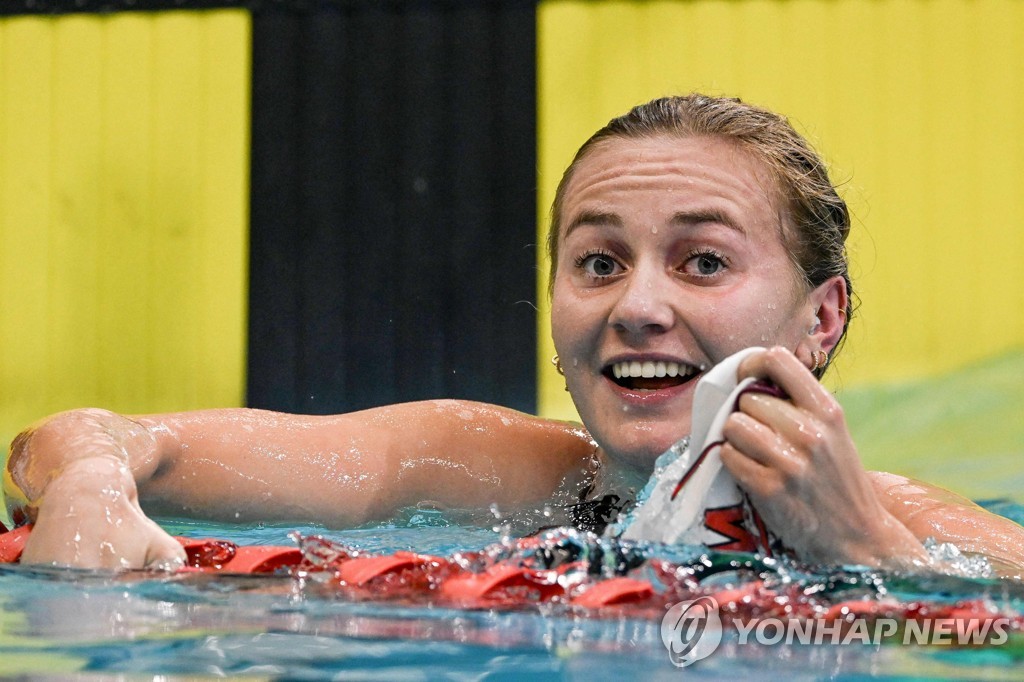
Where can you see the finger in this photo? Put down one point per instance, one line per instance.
(788, 421)
(758, 480)
(761, 444)
(164, 552)
(68, 544)
(788, 373)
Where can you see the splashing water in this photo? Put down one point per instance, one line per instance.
(310, 625)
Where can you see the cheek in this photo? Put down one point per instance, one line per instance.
(567, 316)
(559, 320)
(775, 317)
(755, 316)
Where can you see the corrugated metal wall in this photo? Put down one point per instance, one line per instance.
(918, 104)
(123, 211)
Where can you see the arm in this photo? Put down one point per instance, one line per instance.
(80, 468)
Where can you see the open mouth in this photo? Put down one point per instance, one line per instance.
(650, 375)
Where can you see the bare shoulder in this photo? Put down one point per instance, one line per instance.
(504, 421)
(930, 511)
(531, 455)
(916, 494)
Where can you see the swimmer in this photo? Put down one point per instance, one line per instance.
(682, 232)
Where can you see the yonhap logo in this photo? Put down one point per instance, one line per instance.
(691, 630)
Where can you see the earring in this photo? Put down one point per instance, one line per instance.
(820, 359)
(558, 367)
(816, 325)
(557, 362)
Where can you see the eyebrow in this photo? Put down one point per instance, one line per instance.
(595, 218)
(683, 218)
(709, 215)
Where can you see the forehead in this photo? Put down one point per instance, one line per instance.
(711, 173)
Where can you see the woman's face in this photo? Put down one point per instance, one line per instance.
(671, 258)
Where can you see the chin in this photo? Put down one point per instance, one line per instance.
(640, 453)
(634, 440)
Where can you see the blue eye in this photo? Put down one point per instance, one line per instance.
(598, 265)
(708, 264)
(705, 264)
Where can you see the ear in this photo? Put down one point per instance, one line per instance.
(826, 306)
(828, 301)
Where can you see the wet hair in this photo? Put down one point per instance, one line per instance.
(819, 220)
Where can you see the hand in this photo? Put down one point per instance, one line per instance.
(89, 517)
(797, 461)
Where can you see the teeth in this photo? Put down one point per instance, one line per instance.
(649, 369)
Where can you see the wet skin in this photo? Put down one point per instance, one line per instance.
(671, 250)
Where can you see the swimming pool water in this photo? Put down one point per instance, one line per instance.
(80, 624)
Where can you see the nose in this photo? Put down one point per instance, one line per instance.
(644, 305)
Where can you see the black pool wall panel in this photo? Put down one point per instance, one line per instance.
(393, 204)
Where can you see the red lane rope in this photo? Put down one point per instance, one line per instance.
(430, 579)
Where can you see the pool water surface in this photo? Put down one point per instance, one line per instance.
(82, 624)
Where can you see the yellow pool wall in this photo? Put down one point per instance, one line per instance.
(124, 157)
